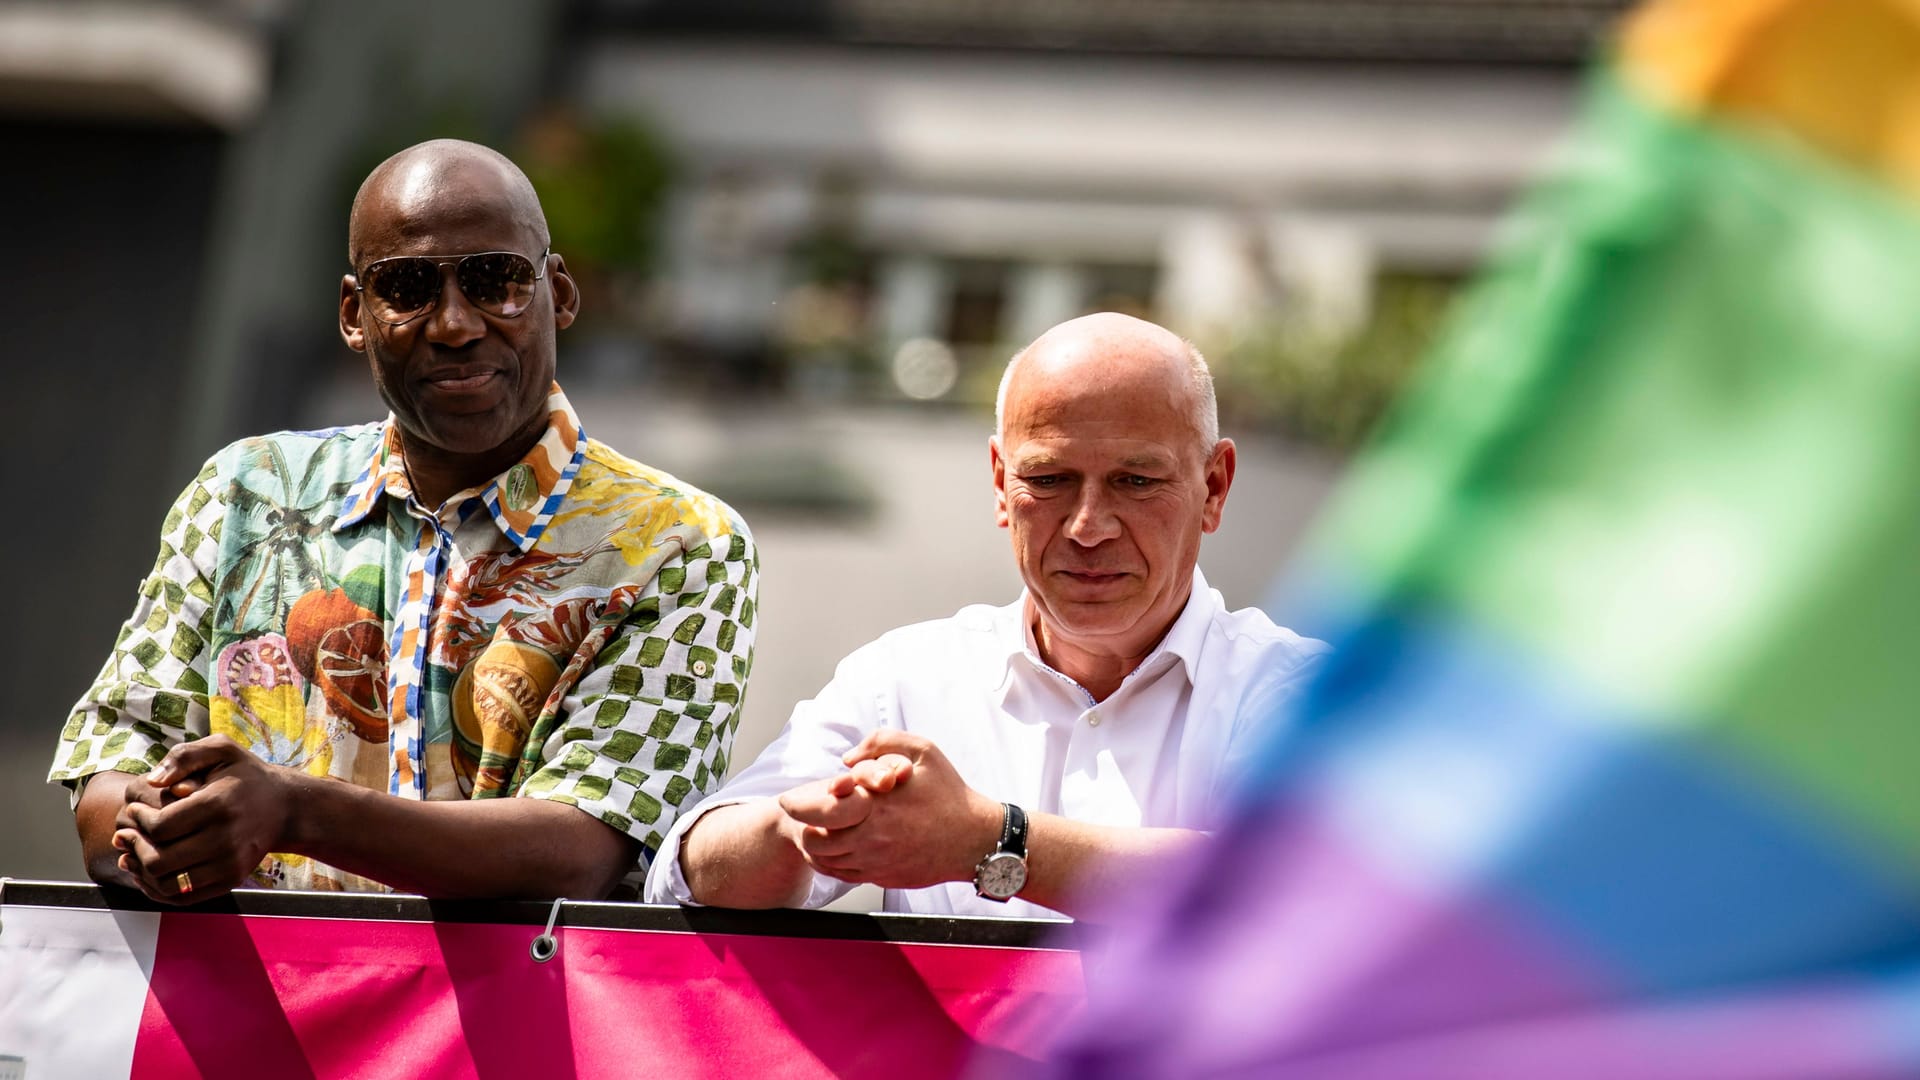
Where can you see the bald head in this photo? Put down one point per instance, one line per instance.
(474, 178)
(1113, 353)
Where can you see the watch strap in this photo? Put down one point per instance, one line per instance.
(1013, 831)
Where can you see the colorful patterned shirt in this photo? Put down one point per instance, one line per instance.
(579, 629)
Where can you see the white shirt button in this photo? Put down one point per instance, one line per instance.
(701, 667)
(1093, 718)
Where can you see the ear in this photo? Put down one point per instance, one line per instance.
(999, 481)
(1220, 467)
(350, 329)
(566, 294)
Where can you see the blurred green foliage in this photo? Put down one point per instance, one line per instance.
(602, 181)
(1331, 390)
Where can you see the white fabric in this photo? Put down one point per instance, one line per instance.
(1158, 752)
(73, 988)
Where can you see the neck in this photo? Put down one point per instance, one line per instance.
(1099, 671)
(436, 475)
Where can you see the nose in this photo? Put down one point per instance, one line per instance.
(453, 322)
(1092, 520)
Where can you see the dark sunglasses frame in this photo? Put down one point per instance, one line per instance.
(439, 263)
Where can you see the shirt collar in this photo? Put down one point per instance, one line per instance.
(522, 500)
(1184, 640)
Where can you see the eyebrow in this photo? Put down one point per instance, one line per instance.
(1039, 459)
(1044, 459)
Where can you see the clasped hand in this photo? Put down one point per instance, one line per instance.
(210, 811)
(900, 817)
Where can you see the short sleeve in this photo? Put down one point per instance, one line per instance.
(152, 693)
(648, 728)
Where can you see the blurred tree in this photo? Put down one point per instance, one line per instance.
(603, 181)
(822, 332)
(1327, 390)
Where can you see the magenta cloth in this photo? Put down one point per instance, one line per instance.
(236, 995)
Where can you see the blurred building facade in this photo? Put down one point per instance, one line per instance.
(900, 176)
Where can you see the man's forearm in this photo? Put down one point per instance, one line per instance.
(1073, 866)
(507, 848)
(738, 856)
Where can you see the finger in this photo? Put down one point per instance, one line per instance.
(142, 794)
(188, 885)
(130, 871)
(166, 854)
(872, 775)
(847, 862)
(834, 814)
(826, 811)
(882, 774)
(811, 813)
(805, 803)
(198, 756)
(842, 786)
(148, 821)
(137, 846)
(887, 741)
(810, 799)
(214, 864)
(183, 817)
(898, 767)
(818, 843)
(147, 886)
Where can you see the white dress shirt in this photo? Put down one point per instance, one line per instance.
(1160, 751)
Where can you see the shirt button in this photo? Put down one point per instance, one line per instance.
(700, 668)
(1093, 719)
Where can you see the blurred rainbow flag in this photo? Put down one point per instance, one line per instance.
(1616, 772)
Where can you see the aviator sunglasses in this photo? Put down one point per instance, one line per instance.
(401, 289)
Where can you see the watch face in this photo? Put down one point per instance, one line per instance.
(1001, 875)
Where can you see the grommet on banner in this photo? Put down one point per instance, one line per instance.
(546, 946)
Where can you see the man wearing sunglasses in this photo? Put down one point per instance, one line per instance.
(467, 651)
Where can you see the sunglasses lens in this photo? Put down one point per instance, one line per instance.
(498, 282)
(401, 288)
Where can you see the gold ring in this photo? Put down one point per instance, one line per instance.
(185, 881)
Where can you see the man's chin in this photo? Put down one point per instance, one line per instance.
(1116, 599)
(465, 435)
(1082, 618)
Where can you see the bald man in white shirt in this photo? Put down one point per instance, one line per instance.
(1018, 761)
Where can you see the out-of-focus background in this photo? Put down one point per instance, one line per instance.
(809, 234)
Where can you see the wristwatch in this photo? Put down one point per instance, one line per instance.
(1004, 871)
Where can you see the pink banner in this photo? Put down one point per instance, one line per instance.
(248, 995)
